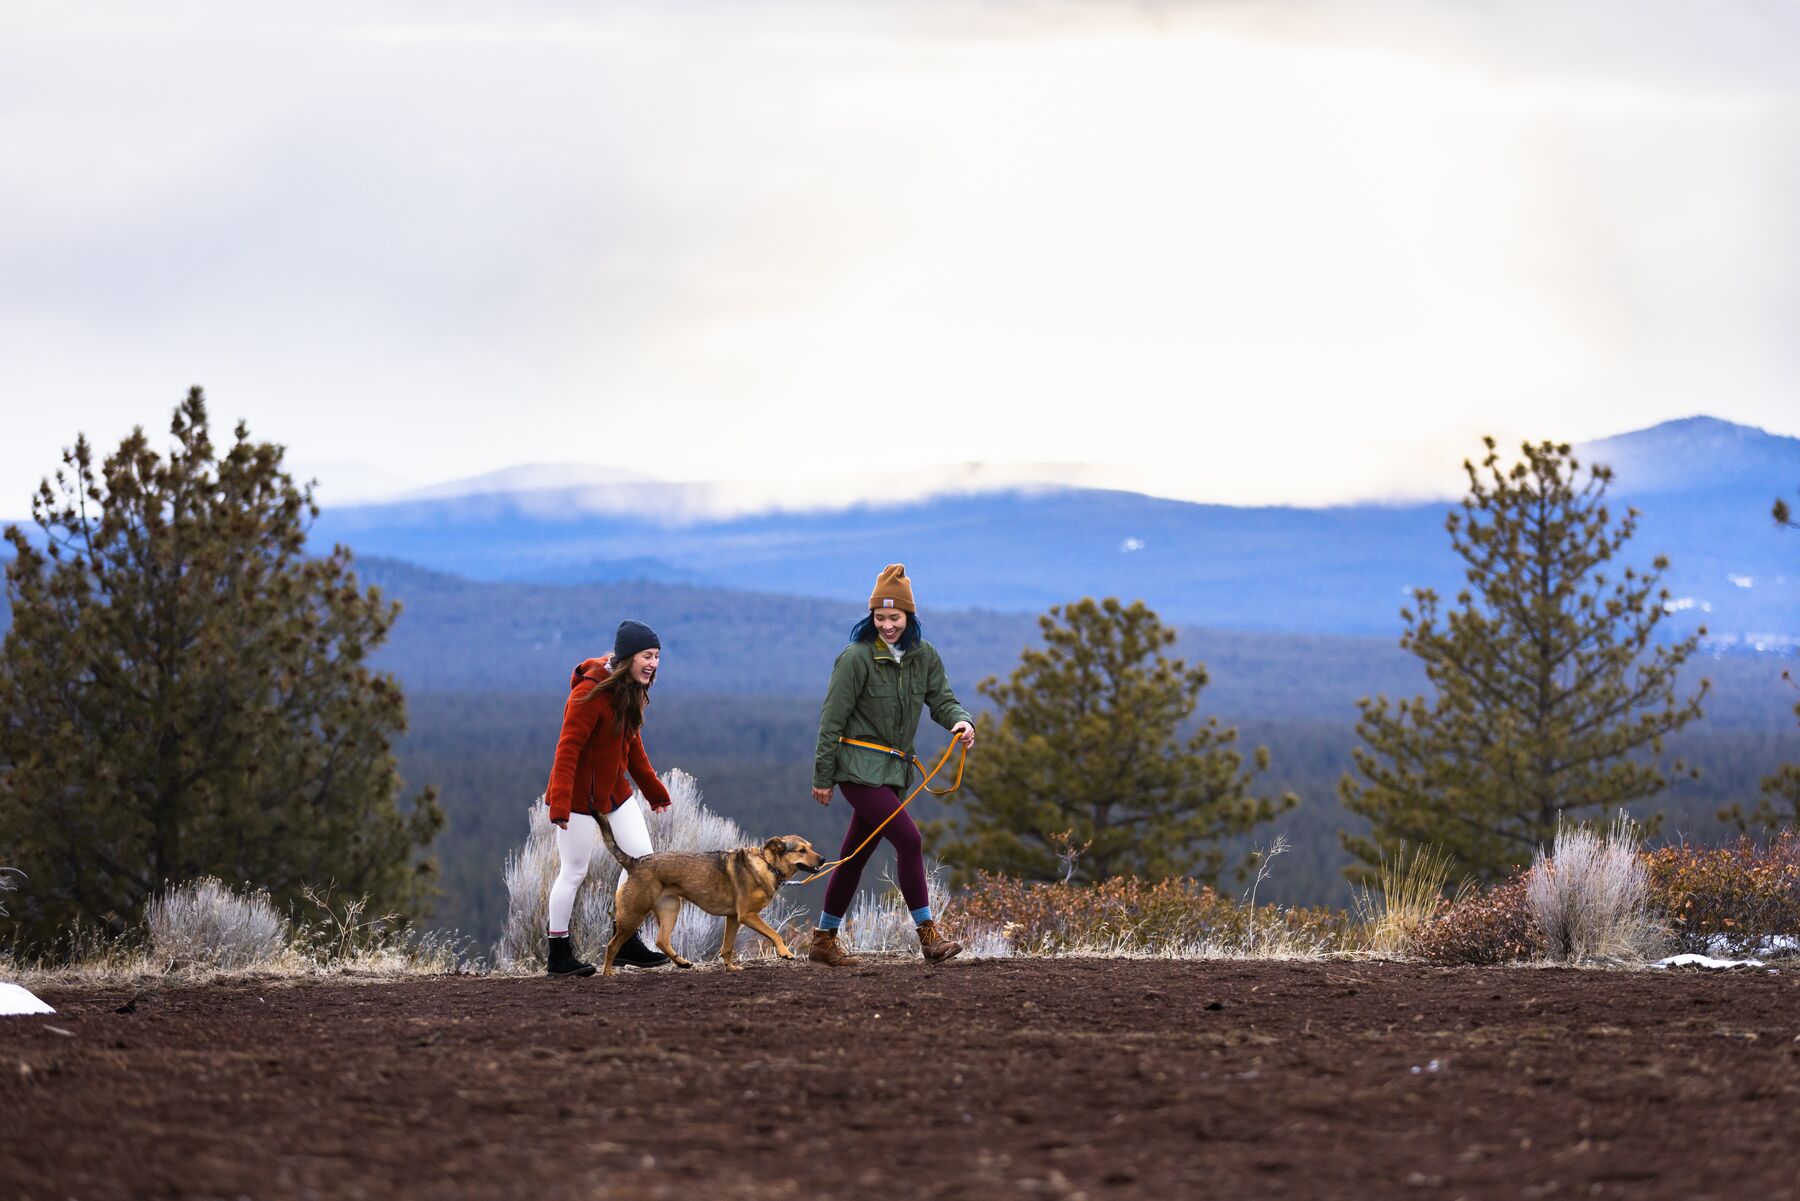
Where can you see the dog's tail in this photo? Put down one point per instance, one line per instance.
(612, 844)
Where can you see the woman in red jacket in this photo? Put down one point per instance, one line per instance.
(598, 755)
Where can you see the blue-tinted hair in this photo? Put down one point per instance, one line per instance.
(909, 637)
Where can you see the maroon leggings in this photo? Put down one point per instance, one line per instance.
(871, 806)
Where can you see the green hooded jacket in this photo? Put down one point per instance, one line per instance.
(876, 698)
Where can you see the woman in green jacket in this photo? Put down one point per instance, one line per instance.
(877, 686)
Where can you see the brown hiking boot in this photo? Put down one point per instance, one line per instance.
(934, 946)
(827, 950)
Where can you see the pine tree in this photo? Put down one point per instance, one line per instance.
(1084, 749)
(1550, 685)
(185, 692)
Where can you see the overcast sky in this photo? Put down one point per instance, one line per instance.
(1293, 251)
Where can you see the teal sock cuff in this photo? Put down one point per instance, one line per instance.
(830, 921)
(921, 914)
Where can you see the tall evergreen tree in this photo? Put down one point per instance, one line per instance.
(1083, 748)
(184, 692)
(1549, 682)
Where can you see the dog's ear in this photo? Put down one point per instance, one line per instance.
(776, 846)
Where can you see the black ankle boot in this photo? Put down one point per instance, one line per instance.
(635, 954)
(563, 961)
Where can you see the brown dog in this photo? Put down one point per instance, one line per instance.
(734, 885)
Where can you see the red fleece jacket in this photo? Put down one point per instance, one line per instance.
(595, 762)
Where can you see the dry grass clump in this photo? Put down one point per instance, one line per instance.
(1738, 899)
(204, 923)
(1590, 896)
(1127, 915)
(202, 930)
(1408, 895)
(687, 825)
(340, 937)
(1481, 928)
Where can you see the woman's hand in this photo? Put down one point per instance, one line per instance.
(822, 795)
(560, 823)
(964, 733)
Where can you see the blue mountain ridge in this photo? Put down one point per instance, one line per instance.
(1703, 488)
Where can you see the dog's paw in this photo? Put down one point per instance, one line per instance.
(787, 954)
(734, 967)
(680, 962)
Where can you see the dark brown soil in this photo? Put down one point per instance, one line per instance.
(1095, 1078)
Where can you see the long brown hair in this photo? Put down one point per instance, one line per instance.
(629, 698)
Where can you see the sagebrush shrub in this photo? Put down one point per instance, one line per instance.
(1481, 928)
(880, 921)
(204, 923)
(1590, 896)
(1739, 898)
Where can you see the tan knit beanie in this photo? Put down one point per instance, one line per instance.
(893, 590)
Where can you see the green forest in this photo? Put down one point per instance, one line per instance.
(485, 668)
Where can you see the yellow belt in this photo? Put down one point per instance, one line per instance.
(912, 759)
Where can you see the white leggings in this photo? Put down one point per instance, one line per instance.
(575, 846)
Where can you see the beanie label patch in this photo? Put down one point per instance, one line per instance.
(887, 602)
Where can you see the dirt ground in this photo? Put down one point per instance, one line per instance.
(1075, 1078)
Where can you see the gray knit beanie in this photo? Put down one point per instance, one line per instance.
(633, 636)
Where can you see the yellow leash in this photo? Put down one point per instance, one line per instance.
(825, 869)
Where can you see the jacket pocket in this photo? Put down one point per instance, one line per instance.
(864, 765)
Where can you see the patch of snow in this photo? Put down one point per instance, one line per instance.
(1742, 581)
(16, 1000)
(1705, 961)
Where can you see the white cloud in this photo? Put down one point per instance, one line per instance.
(1256, 253)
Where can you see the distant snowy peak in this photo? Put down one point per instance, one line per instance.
(531, 477)
(1696, 453)
(570, 491)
